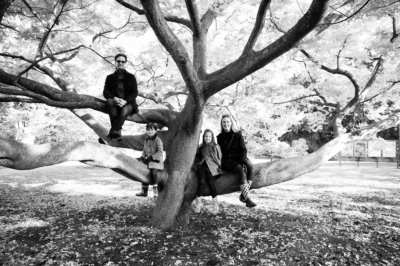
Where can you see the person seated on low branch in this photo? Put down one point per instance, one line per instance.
(208, 168)
(234, 157)
(152, 156)
(120, 92)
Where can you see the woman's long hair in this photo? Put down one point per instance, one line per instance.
(213, 143)
(233, 123)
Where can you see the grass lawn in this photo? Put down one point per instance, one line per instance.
(72, 214)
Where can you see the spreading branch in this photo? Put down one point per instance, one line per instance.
(247, 64)
(258, 26)
(336, 71)
(194, 16)
(169, 18)
(394, 34)
(173, 45)
(348, 17)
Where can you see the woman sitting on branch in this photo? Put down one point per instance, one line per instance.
(234, 157)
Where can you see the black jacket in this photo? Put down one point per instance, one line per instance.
(236, 150)
(130, 87)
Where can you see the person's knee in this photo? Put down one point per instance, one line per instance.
(126, 110)
(110, 102)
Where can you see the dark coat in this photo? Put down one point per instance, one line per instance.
(232, 146)
(211, 156)
(153, 150)
(130, 87)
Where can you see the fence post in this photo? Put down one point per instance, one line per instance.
(398, 148)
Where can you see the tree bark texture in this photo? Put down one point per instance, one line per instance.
(4, 5)
(22, 156)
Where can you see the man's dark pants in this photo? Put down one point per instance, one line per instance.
(118, 115)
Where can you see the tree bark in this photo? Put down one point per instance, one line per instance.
(22, 156)
(4, 5)
(181, 149)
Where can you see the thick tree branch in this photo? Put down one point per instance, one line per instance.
(212, 13)
(267, 174)
(169, 18)
(21, 156)
(175, 48)
(52, 93)
(258, 26)
(194, 16)
(50, 102)
(4, 5)
(245, 65)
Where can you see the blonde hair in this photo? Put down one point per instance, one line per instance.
(233, 126)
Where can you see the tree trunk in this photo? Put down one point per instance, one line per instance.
(183, 142)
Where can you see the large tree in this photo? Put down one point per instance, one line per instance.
(178, 181)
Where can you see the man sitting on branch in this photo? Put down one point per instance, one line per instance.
(120, 91)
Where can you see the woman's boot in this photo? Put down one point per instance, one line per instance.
(244, 196)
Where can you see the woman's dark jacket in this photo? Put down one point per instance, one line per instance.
(232, 146)
(130, 87)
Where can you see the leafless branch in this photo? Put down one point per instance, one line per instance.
(81, 7)
(373, 76)
(169, 18)
(298, 4)
(102, 34)
(297, 99)
(194, 16)
(272, 19)
(47, 33)
(395, 2)
(33, 12)
(9, 27)
(382, 92)
(340, 51)
(338, 71)
(348, 17)
(395, 34)
(258, 26)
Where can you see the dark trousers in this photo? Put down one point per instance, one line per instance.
(118, 115)
(153, 173)
(245, 170)
(206, 176)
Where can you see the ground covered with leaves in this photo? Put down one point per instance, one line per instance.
(78, 215)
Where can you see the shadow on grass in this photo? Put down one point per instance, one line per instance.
(93, 230)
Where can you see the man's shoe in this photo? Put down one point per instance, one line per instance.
(115, 134)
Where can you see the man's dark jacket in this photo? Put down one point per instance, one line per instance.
(130, 87)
